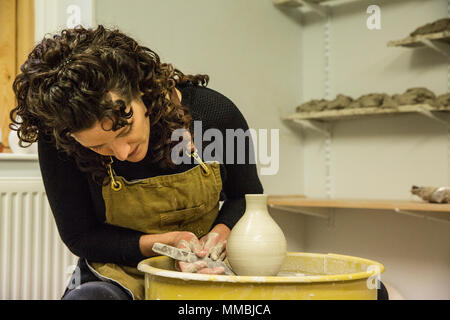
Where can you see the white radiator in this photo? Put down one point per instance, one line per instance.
(34, 263)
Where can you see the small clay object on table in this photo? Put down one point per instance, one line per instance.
(432, 194)
(313, 106)
(375, 100)
(416, 96)
(370, 100)
(388, 102)
(443, 100)
(340, 102)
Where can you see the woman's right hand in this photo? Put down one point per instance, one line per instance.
(188, 241)
(183, 240)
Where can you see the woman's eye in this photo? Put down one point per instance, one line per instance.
(130, 127)
(124, 133)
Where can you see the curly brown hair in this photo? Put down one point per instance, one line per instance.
(63, 86)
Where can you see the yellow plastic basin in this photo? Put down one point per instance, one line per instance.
(303, 276)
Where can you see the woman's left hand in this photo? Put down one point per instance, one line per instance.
(214, 243)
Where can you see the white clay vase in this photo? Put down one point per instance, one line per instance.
(256, 245)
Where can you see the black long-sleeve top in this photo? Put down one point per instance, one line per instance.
(76, 200)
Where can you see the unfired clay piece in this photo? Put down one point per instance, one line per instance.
(416, 96)
(432, 194)
(443, 100)
(341, 102)
(313, 105)
(256, 245)
(411, 96)
(372, 100)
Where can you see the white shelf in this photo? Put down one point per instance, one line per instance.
(296, 3)
(314, 5)
(417, 41)
(439, 41)
(356, 112)
(18, 157)
(302, 3)
(320, 7)
(439, 212)
(318, 120)
(377, 204)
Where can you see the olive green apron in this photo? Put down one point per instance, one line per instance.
(186, 201)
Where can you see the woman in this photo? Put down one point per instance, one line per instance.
(103, 110)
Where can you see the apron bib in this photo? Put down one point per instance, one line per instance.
(186, 201)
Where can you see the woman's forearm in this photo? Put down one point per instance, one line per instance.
(173, 238)
(222, 230)
(147, 241)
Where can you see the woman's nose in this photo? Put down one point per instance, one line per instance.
(121, 151)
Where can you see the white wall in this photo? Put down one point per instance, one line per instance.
(379, 157)
(19, 168)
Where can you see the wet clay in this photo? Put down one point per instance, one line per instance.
(411, 96)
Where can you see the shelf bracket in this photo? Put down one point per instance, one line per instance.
(317, 8)
(317, 126)
(440, 47)
(302, 211)
(429, 114)
(328, 217)
(422, 216)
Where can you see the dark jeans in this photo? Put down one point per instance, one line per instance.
(382, 292)
(97, 290)
(85, 285)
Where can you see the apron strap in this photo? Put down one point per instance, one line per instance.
(117, 185)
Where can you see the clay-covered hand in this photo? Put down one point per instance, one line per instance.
(215, 242)
(215, 245)
(189, 242)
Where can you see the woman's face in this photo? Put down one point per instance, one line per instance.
(129, 143)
